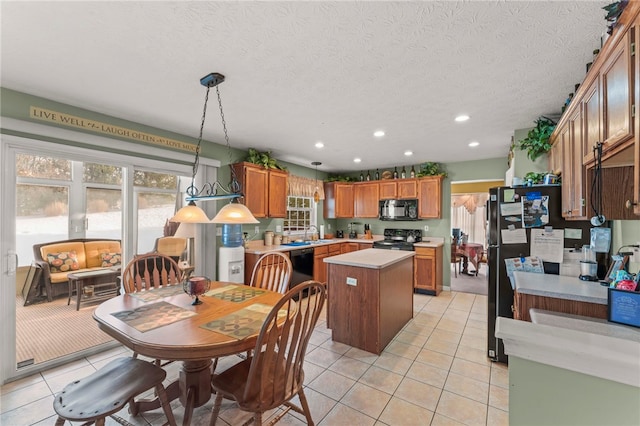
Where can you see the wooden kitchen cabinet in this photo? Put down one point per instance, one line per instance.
(606, 102)
(338, 200)
(430, 197)
(573, 190)
(319, 267)
(366, 196)
(349, 247)
(427, 267)
(398, 189)
(555, 157)
(523, 302)
(264, 190)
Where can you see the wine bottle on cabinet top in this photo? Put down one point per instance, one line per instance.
(403, 173)
(395, 173)
(412, 173)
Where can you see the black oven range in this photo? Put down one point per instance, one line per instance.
(399, 239)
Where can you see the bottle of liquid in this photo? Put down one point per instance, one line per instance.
(412, 173)
(361, 177)
(403, 173)
(368, 176)
(377, 175)
(395, 173)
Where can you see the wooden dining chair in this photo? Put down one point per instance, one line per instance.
(482, 258)
(273, 272)
(274, 374)
(108, 390)
(456, 257)
(149, 271)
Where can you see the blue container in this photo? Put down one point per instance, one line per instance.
(232, 235)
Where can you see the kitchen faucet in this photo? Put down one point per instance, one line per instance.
(309, 229)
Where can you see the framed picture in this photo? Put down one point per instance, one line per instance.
(619, 262)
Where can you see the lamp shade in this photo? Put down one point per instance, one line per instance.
(186, 230)
(190, 214)
(234, 213)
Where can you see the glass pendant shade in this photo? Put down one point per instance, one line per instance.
(316, 196)
(190, 214)
(234, 213)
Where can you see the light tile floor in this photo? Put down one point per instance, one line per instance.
(434, 372)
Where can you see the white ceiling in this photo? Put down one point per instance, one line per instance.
(302, 72)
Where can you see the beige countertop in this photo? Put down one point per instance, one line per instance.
(585, 345)
(560, 287)
(258, 247)
(430, 242)
(370, 258)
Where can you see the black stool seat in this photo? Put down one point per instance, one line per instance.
(109, 389)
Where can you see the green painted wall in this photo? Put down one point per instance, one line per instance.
(541, 395)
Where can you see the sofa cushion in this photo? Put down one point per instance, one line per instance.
(93, 250)
(76, 246)
(110, 259)
(66, 261)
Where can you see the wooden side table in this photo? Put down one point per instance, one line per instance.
(104, 282)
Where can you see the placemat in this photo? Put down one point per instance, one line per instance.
(242, 323)
(235, 293)
(153, 315)
(157, 293)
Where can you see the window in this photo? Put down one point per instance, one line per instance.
(301, 214)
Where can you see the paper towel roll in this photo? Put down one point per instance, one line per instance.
(322, 232)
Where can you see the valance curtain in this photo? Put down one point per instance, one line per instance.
(468, 214)
(305, 187)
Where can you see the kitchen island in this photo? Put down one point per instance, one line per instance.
(370, 296)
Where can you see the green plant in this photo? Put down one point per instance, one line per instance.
(537, 141)
(340, 178)
(430, 169)
(263, 158)
(535, 177)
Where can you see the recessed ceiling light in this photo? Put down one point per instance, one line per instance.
(378, 133)
(319, 145)
(474, 144)
(357, 160)
(462, 118)
(408, 153)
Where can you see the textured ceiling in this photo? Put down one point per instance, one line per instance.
(302, 72)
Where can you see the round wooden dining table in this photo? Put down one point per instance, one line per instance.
(165, 325)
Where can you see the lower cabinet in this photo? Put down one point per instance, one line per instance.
(427, 266)
(319, 267)
(349, 247)
(523, 302)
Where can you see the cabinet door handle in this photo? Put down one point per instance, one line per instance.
(629, 204)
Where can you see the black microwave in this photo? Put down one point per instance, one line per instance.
(398, 210)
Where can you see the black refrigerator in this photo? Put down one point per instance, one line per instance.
(502, 214)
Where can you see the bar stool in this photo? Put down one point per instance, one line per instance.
(108, 390)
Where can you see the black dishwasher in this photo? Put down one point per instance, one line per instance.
(302, 262)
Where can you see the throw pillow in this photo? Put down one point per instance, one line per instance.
(110, 259)
(65, 261)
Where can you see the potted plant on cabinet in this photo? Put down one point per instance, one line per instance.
(537, 141)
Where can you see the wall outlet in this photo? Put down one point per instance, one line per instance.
(256, 230)
(426, 228)
(219, 231)
(352, 281)
(278, 228)
(328, 226)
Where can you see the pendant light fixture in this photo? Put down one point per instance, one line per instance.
(233, 213)
(316, 194)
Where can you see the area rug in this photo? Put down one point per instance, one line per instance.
(50, 330)
(470, 283)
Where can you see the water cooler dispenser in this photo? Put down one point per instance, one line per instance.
(231, 264)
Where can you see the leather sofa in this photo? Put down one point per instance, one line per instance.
(57, 259)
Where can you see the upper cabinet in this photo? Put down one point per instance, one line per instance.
(265, 191)
(338, 200)
(603, 112)
(349, 200)
(365, 197)
(430, 197)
